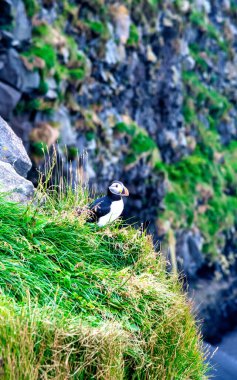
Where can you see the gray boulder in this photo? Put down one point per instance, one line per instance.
(18, 189)
(12, 150)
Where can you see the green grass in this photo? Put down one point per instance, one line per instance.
(88, 303)
(140, 144)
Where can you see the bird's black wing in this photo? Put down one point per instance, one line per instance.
(99, 208)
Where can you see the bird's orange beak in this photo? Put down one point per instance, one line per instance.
(125, 192)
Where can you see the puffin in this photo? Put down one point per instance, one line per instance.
(107, 209)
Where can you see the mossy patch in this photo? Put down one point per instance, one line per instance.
(38, 148)
(31, 7)
(56, 56)
(44, 51)
(123, 127)
(200, 20)
(77, 73)
(142, 143)
(217, 103)
(133, 39)
(98, 28)
(139, 142)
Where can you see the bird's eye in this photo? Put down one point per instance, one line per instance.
(116, 185)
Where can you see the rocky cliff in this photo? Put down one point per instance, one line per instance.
(14, 166)
(148, 88)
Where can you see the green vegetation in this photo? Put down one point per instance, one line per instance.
(43, 87)
(142, 143)
(77, 73)
(233, 8)
(31, 7)
(28, 106)
(42, 50)
(200, 20)
(139, 142)
(217, 104)
(90, 135)
(133, 39)
(123, 127)
(45, 54)
(97, 27)
(201, 62)
(71, 152)
(82, 302)
(154, 3)
(203, 189)
(202, 186)
(38, 148)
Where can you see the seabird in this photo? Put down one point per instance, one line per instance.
(106, 209)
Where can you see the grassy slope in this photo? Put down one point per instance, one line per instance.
(88, 303)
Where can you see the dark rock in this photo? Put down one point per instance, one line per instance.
(9, 97)
(14, 73)
(6, 38)
(6, 12)
(22, 127)
(189, 252)
(18, 189)
(216, 304)
(12, 150)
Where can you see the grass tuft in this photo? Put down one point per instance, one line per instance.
(82, 302)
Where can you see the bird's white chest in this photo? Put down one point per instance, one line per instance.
(116, 210)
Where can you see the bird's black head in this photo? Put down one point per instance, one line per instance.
(118, 189)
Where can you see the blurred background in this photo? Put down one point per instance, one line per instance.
(148, 89)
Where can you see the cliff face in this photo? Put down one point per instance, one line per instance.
(149, 89)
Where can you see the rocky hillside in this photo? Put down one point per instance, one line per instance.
(148, 88)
